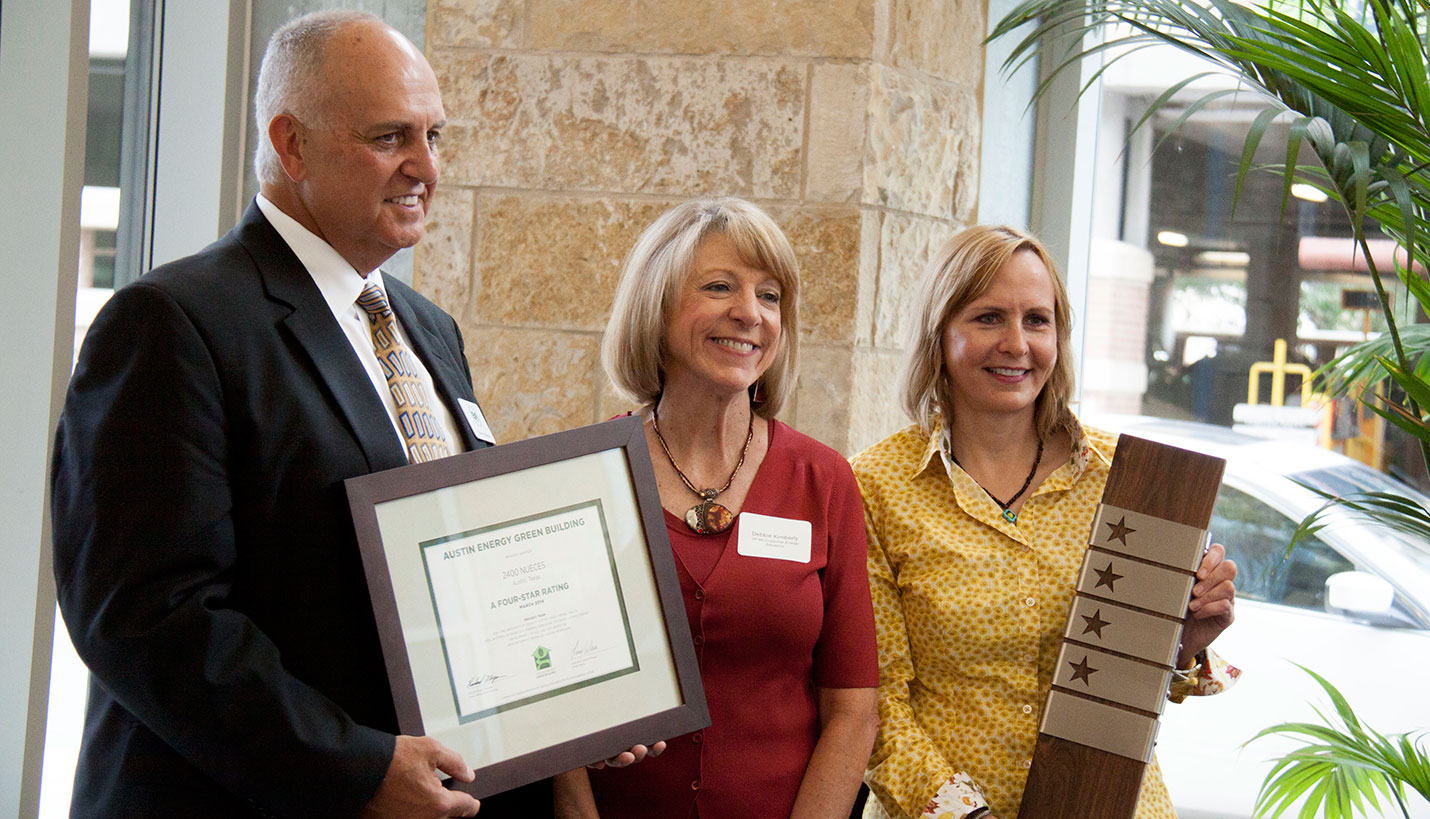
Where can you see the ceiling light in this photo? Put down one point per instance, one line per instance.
(1310, 193)
(1229, 258)
(1171, 238)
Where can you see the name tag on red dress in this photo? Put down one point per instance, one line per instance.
(774, 538)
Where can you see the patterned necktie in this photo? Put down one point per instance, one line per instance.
(422, 433)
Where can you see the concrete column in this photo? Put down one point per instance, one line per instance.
(1273, 290)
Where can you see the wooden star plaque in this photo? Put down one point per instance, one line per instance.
(1123, 633)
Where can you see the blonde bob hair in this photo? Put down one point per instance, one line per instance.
(959, 273)
(633, 350)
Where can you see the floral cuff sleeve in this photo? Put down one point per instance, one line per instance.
(1210, 674)
(958, 798)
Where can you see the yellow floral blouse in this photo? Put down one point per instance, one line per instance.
(970, 611)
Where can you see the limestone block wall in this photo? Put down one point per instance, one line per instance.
(572, 124)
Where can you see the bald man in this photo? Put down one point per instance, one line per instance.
(205, 557)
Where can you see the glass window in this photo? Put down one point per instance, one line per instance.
(1352, 478)
(117, 73)
(1265, 572)
(116, 120)
(1188, 285)
(99, 200)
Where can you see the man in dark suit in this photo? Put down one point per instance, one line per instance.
(205, 557)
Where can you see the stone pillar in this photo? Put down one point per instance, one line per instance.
(573, 124)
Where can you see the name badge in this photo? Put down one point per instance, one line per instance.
(477, 421)
(772, 537)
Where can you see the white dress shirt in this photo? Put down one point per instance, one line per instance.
(341, 285)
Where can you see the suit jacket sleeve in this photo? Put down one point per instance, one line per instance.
(145, 555)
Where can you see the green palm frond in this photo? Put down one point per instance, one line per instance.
(1409, 415)
(1343, 768)
(1416, 389)
(1388, 509)
(1390, 199)
(1358, 369)
(1400, 415)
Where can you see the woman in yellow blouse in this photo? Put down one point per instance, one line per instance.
(978, 517)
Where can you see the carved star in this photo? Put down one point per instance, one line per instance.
(1107, 577)
(1083, 671)
(1095, 623)
(1120, 530)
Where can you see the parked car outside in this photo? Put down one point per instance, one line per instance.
(1369, 635)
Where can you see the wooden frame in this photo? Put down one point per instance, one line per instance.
(556, 542)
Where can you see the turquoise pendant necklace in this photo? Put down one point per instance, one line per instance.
(1008, 514)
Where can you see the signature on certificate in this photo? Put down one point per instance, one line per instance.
(483, 680)
(583, 648)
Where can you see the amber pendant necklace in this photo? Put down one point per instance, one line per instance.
(1008, 514)
(706, 517)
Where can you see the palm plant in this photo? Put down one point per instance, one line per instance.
(1343, 765)
(1353, 80)
(1352, 77)
(1356, 87)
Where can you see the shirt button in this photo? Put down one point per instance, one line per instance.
(1027, 658)
(695, 786)
(1027, 763)
(699, 595)
(699, 640)
(1027, 709)
(697, 738)
(1030, 601)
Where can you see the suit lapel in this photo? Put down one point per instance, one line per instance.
(312, 325)
(451, 383)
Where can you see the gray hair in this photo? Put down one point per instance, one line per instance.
(288, 77)
(633, 350)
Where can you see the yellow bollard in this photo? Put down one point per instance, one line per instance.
(1278, 368)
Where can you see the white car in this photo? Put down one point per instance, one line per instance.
(1369, 635)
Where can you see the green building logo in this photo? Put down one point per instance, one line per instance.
(542, 656)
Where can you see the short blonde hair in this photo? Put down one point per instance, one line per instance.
(633, 350)
(959, 273)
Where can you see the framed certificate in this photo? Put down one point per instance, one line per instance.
(527, 603)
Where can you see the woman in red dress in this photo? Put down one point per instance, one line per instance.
(766, 524)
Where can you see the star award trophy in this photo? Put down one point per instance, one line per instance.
(1123, 633)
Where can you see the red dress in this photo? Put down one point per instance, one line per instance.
(767, 632)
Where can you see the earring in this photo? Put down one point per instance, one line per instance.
(757, 394)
